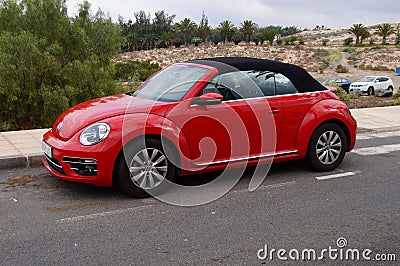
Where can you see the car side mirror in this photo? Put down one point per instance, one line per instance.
(376, 81)
(210, 98)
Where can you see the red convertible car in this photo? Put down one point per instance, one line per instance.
(198, 116)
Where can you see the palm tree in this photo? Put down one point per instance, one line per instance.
(364, 35)
(226, 27)
(206, 30)
(149, 40)
(358, 30)
(248, 27)
(167, 38)
(133, 41)
(384, 30)
(186, 26)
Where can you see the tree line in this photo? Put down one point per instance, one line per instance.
(161, 31)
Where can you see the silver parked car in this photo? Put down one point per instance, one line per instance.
(373, 85)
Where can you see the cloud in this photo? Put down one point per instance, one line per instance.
(305, 13)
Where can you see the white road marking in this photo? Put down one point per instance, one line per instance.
(326, 177)
(377, 150)
(99, 215)
(378, 135)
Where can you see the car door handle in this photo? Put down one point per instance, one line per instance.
(274, 111)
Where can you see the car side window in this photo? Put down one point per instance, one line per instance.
(241, 85)
(284, 85)
(265, 80)
(249, 84)
(234, 86)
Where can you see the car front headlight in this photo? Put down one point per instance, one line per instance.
(94, 134)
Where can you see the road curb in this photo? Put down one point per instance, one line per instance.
(362, 130)
(21, 161)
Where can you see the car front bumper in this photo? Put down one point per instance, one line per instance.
(358, 90)
(69, 160)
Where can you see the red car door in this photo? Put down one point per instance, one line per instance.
(236, 129)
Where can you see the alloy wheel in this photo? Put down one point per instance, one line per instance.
(148, 168)
(329, 147)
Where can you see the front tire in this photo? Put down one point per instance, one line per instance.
(143, 169)
(390, 91)
(327, 148)
(371, 91)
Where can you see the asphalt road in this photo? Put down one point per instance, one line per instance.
(48, 221)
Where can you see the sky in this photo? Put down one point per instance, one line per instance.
(334, 14)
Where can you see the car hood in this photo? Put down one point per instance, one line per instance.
(361, 83)
(87, 113)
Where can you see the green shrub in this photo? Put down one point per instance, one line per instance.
(341, 69)
(325, 42)
(49, 61)
(140, 70)
(348, 41)
(380, 68)
(348, 50)
(342, 94)
(290, 40)
(321, 53)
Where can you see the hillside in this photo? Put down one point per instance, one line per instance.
(320, 61)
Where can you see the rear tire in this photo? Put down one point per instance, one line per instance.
(327, 148)
(142, 170)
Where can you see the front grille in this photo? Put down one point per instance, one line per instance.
(54, 164)
(81, 166)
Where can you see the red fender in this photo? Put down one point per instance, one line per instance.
(321, 113)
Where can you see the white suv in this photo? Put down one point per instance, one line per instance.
(373, 85)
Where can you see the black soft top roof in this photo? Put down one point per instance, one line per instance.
(300, 78)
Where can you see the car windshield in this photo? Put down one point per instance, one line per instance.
(171, 84)
(328, 81)
(366, 79)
